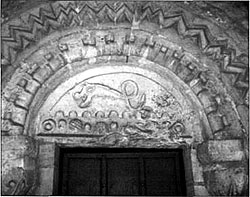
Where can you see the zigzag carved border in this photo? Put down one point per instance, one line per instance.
(59, 15)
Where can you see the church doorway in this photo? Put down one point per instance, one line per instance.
(117, 171)
(125, 123)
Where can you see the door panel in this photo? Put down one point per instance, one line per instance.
(123, 176)
(160, 176)
(84, 176)
(130, 172)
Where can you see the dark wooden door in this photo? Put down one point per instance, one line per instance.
(121, 172)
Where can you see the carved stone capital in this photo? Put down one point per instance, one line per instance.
(18, 165)
(226, 180)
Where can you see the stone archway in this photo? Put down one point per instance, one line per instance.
(114, 105)
(145, 46)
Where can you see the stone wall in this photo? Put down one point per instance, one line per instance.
(200, 47)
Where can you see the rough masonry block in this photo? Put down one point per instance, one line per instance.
(226, 150)
(221, 151)
(32, 86)
(19, 115)
(226, 180)
(46, 155)
(208, 102)
(200, 190)
(216, 122)
(42, 73)
(24, 99)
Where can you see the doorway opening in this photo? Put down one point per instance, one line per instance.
(119, 171)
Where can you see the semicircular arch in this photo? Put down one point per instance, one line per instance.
(52, 43)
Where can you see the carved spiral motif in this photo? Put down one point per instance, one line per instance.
(178, 127)
(130, 88)
(49, 125)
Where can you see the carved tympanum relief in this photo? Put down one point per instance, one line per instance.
(116, 108)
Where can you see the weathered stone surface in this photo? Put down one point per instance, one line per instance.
(98, 108)
(9, 129)
(197, 34)
(200, 190)
(32, 86)
(13, 183)
(162, 32)
(46, 176)
(208, 102)
(22, 145)
(216, 122)
(46, 155)
(24, 100)
(196, 167)
(220, 150)
(176, 60)
(19, 115)
(197, 85)
(18, 152)
(226, 180)
(243, 113)
(46, 167)
(228, 150)
(42, 73)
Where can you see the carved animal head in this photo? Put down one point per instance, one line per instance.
(82, 97)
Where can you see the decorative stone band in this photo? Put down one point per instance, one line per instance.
(99, 125)
(35, 73)
(21, 32)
